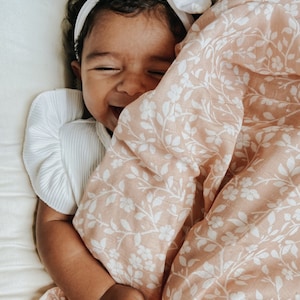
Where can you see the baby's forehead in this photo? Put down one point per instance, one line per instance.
(111, 20)
(114, 29)
(156, 12)
(150, 19)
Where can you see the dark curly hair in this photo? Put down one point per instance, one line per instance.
(124, 7)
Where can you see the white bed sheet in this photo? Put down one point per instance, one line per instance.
(32, 61)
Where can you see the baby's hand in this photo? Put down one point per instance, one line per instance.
(122, 292)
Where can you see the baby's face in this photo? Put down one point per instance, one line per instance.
(122, 58)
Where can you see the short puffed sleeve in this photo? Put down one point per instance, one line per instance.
(60, 149)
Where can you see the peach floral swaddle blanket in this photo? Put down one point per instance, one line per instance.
(204, 172)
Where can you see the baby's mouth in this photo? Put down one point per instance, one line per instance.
(117, 111)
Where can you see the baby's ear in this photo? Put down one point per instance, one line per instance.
(76, 68)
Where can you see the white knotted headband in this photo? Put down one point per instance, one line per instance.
(183, 9)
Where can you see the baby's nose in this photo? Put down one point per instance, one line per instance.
(132, 84)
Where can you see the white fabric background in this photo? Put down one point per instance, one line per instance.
(31, 60)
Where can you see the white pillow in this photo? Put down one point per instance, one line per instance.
(31, 61)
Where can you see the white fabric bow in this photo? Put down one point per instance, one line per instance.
(192, 6)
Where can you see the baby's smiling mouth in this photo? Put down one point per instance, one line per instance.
(117, 111)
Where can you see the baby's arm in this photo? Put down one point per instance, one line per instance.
(66, 258)
(70, 264)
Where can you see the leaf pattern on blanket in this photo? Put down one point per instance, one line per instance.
(204, 172)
